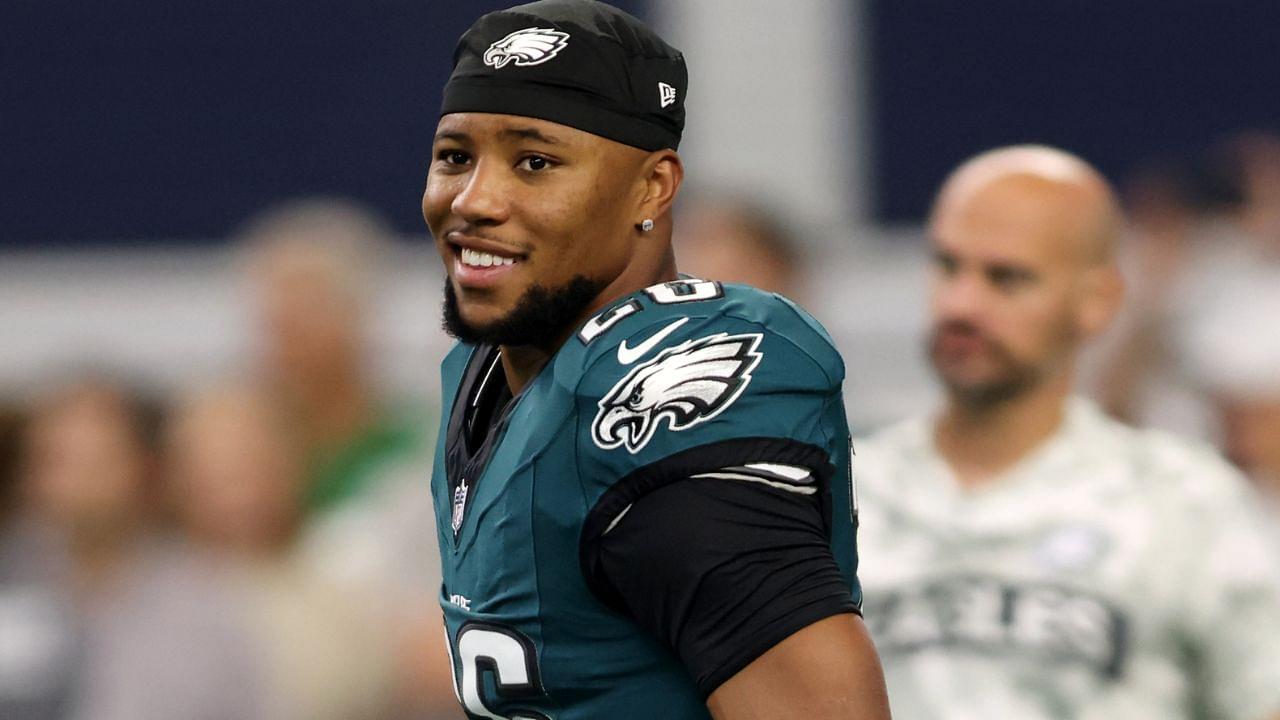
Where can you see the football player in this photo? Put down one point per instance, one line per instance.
(642, 484)
(1029, 557)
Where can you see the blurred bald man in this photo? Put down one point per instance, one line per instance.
(1027, 557)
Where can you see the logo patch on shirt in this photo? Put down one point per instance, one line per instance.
(531, 46)
(684, 385)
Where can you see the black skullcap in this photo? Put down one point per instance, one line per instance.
(579, 63)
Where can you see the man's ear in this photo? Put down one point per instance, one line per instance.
(1103, 294)
(662, 173)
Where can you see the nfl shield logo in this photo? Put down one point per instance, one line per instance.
(459, 505)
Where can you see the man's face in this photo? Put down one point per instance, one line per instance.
(521, 208)
(310, 325)
(235, 474)
(1003, 296)
(86, 467)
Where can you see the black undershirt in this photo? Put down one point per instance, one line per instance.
(720, 569)
(486, 406)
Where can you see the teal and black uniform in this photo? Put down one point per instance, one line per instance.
(669, 498)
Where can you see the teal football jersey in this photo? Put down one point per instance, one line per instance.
(683, 379)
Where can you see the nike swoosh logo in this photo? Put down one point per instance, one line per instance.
(628, 355)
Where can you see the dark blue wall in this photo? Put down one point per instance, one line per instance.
(148, 120)
(1118, 82)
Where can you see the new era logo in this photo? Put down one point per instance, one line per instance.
(666, 94)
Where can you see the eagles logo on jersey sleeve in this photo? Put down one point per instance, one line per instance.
(691, 364)
(683, 385)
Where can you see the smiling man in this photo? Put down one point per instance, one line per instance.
(642, 486)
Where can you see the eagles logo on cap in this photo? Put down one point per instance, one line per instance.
(531, 46)
(515, 62)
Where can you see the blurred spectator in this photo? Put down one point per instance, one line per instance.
(731, 239)
(1256, 158)
(38, 653)
(1179, 221)
(91, 472)
(1232, 347)
(118, 625)
(236, 474)
(314, 267)
(1163, 211)
(1251, 425)
(1228, 337)
(1024, 556)
(1204, 234)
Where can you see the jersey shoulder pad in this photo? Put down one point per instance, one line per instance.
(693, 363)
(789, 320)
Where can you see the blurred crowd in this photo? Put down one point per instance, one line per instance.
(258, 548)
(1197, 350)
(262, 547)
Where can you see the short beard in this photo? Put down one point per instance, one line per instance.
(1015, 380)
(984, 396)
(540, 316)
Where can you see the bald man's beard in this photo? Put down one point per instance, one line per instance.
(1010, 379)
(540, 315)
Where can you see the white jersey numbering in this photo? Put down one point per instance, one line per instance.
(1115, 573)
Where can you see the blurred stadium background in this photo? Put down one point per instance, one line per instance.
(163, 164)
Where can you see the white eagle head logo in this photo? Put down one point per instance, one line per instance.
(687, 384)
(531, 46)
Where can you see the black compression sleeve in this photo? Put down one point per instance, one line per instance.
(721, 569)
